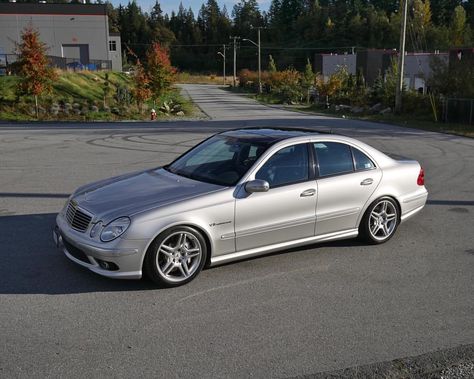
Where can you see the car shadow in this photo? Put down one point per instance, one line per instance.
(31, 263)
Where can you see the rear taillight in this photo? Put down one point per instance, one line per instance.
(421, 178)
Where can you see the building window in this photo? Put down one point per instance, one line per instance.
(112, 45)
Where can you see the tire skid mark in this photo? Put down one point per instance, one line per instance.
(132, 139)
(110, 143)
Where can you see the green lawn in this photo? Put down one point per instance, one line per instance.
(85, 90)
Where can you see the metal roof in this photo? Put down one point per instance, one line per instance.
(53, 9)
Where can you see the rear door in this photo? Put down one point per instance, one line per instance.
(347, 177)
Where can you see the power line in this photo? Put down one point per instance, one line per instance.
(270, 47)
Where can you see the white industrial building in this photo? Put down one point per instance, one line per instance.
(76, 34)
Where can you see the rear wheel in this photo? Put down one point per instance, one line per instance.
(176, 256)
(380, 221)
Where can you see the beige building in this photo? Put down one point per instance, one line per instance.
(79, 33)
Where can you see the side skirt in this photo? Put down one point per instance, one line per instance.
(351, 233)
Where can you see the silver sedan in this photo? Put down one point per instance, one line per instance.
(238, 194)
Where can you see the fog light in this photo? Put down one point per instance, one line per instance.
(109, 266)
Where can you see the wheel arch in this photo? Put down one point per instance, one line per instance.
(376, 198)
(198, 228)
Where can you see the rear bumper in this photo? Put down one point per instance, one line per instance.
(117, 262)
(413, 204)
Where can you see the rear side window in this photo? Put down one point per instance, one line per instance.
(333, 158)
(362, 161)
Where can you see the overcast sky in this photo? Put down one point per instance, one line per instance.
(169, 5)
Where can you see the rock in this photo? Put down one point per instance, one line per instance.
(76, 106)
(342, 107)
(180, 113)
(357, 109)
(386, 110)
(106, 109)
(94, 109)
(115, 110)
(76, 111)
(375, 108)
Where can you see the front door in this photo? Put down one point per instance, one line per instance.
(287, 211)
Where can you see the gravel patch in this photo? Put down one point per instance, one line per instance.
(455, 363)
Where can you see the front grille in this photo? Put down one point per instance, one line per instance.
(76, 218)
(75, 252)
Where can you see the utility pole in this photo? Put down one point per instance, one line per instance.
(223, 56)
(235, 39)
(401, 58)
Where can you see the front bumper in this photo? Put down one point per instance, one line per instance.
(113, 262)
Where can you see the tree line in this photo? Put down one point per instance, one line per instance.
(294, 29)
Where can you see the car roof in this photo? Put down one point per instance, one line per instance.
(271, 134)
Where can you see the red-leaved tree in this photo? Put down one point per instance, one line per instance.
(141, 90)
(36, 75)
(159, 70)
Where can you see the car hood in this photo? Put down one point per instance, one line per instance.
(134, 193)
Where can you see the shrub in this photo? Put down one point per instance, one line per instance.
(286, 85)
(248, 79)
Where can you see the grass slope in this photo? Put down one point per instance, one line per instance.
(85, 88)
(70, 86)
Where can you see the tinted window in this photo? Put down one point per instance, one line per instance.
(333, 158)
(221, 160)
(362, 161)
(216, 152)
(287, 166)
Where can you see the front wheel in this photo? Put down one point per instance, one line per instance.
(176, 256)
(380, 221)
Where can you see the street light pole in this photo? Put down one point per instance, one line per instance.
(401, 58)
(259, 64)
(234, 38)
(259, 45)
(223, 56)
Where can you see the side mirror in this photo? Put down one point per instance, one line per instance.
(257, 185)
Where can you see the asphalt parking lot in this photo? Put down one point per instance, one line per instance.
(312, 309)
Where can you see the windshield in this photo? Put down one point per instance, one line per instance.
(221, 160)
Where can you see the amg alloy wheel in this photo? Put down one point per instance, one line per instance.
(176, 256)
(380, 221)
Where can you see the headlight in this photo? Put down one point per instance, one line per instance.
(95, 229)
(115, 229)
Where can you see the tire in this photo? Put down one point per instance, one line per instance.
(380, 221)
(176, 256)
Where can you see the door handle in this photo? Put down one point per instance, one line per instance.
(308, 192)
(367, 182)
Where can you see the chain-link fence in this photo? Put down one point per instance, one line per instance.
(6, 61)
(460, 111)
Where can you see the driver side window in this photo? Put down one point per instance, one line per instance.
(287, 166)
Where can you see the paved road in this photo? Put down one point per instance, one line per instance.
(316, 308)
